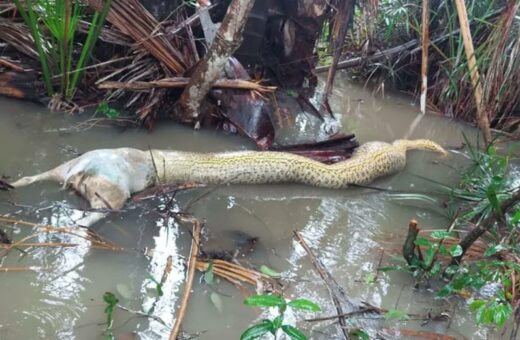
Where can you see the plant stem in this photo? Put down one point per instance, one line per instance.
(30, 19)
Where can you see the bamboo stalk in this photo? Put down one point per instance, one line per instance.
(482, 117)
(425, 44)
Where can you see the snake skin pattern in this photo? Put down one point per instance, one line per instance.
(108, 177)
(369, 161)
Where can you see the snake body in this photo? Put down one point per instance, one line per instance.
(107, 177)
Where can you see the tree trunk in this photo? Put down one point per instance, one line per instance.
(342, 19)
(227, 40)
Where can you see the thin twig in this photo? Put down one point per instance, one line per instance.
(191, 274)
(328, 279)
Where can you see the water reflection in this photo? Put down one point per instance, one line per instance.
(347, 229)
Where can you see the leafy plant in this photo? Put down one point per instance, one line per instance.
(485, 185)
(491, 281)
(273, 326)
(108, 111)
(396, 314)
(111, 301)
(426, 265)
(56, 41)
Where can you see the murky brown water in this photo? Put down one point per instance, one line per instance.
(347, 228)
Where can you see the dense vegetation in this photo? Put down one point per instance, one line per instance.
(394, 27)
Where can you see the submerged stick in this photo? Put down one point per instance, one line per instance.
(19, 269)
(331, 284)
(189, 281)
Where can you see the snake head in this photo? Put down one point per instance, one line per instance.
(420, 144)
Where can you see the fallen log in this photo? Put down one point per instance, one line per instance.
(412, 47)
(181, 82)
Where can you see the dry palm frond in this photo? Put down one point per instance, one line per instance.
(502, 87)
(237, 274)
(18, 36)
(131, 18)
(111, 36)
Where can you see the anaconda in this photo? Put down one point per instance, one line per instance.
(107, 177)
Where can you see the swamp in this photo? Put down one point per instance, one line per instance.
(278, 169)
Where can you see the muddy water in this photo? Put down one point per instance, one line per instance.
(62, 296)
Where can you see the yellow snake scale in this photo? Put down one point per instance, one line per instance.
(107, 177)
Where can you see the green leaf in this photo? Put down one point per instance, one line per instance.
(217, 301)
(516, 217)
(477, 304)
(494, 249)
(292, 93)
(421, 241)
(208, 274)
(455, 250)
(293, 332)
(445, 291)
(440, 234)
(158, 285)
(256, 331)
(395, 314)
(394, 268)
(370, 278)
(451, 270)
(493, 199)
(488, 314)
(398, 258)
(503, 312)
(269, 272)
(277, 323)
(265, 300)
(435, 269)
(361, 334)
(429, 256)
(110, 298)
(304, 304)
